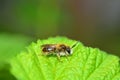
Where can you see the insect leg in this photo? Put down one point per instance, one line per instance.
(66, 55)
(58, 56)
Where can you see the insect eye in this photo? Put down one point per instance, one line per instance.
(68, 50)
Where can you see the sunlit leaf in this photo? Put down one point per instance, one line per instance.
(85, 63)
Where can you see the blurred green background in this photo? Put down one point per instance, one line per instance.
(96, 23)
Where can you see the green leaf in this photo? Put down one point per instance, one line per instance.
(85, 63)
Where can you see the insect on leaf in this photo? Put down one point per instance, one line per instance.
(85, 63)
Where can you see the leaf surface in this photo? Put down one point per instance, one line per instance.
(85, 63)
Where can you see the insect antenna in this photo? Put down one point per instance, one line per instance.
(74, 45)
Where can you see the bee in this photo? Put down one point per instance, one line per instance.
(57, 49)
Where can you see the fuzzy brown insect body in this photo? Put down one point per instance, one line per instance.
(57, 49)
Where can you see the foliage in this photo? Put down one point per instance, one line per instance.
(85, 63)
